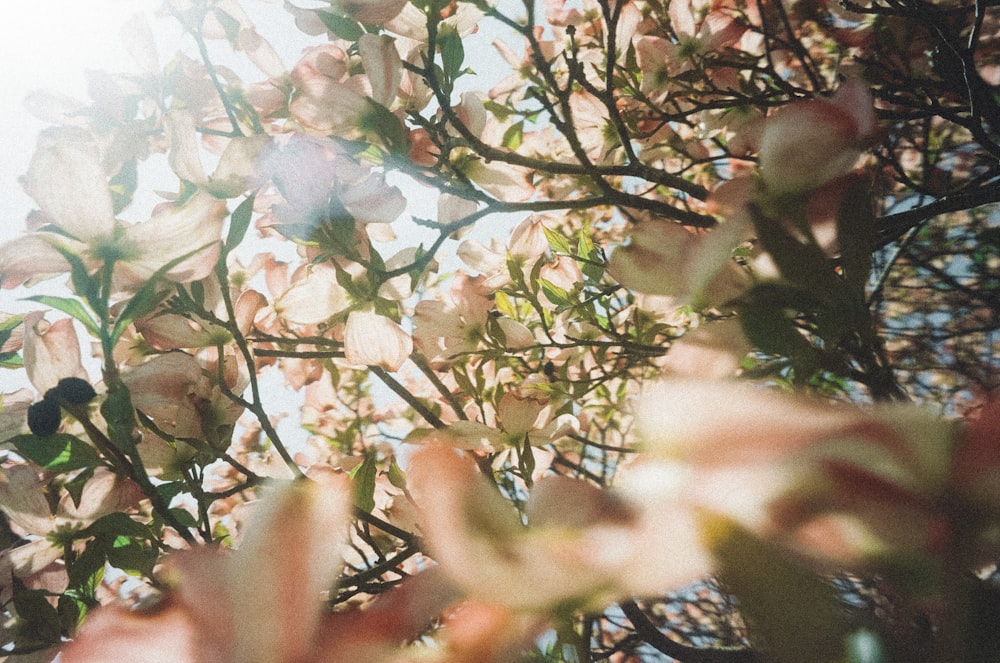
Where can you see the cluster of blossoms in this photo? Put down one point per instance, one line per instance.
(496, 439)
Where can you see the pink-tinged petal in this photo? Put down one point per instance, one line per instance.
(713, 350)
(503, 180)
(260, 51)
(519, 411)
(51, 352)
(247, 306)
(370, 11)
(67, 181)
(382, 65)
(664, 258)
(105, 493)
(466, 435)
(371, 339)
(171, 332)
(337, 108)
(185, 154)
(590, 557)
(290, 556)
(27, 560)
(27, 260)
(164, 387)
(23, 501)
(313, 299)
(14, 413)
(451, 208)
(167, 633)
(137, 37)
(371, 200)
(237, 171)
(724, 422)
(977, 459)
(810, 142)
(194, 227)
(55, 108)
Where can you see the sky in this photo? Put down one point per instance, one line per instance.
(49, 44)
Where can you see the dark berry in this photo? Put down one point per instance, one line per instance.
(75, 391)
(44, 417)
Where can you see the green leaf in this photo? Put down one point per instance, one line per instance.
(41, 617)
(118, 524)
(514, 135)
(11, 360)
(865, 646)
(383, 124)
(123, 185)
(184, 517)
(85, 285)
(8, 326)
(343, 27)
(229, 23)
(554, 293)
(75, 485)
(60, 452)
(771, 330)
(86, 570)
(129, 555)
(797, 615)
(70, 612)
(856, 236)
(239, 223)
(363, 477)
(168, 491)
(120, 417)
(72, 307)
(452, 53)
(557, 242)
(397, 477)
(802, 264)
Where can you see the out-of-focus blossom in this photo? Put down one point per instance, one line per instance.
(835, 483)
(262, 602)
(78, 204)
(371, 339)
(664, 258)
(327, 100)
(711, 350)
(600, 549)
(808, 143)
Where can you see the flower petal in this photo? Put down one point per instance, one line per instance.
(71, 188)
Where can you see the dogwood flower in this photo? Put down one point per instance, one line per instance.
(838, 484)
(371, 339)
(664, 258)
(261, 603)
(808, 143)
(609, 545)
(23, 500)
(71, 189)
